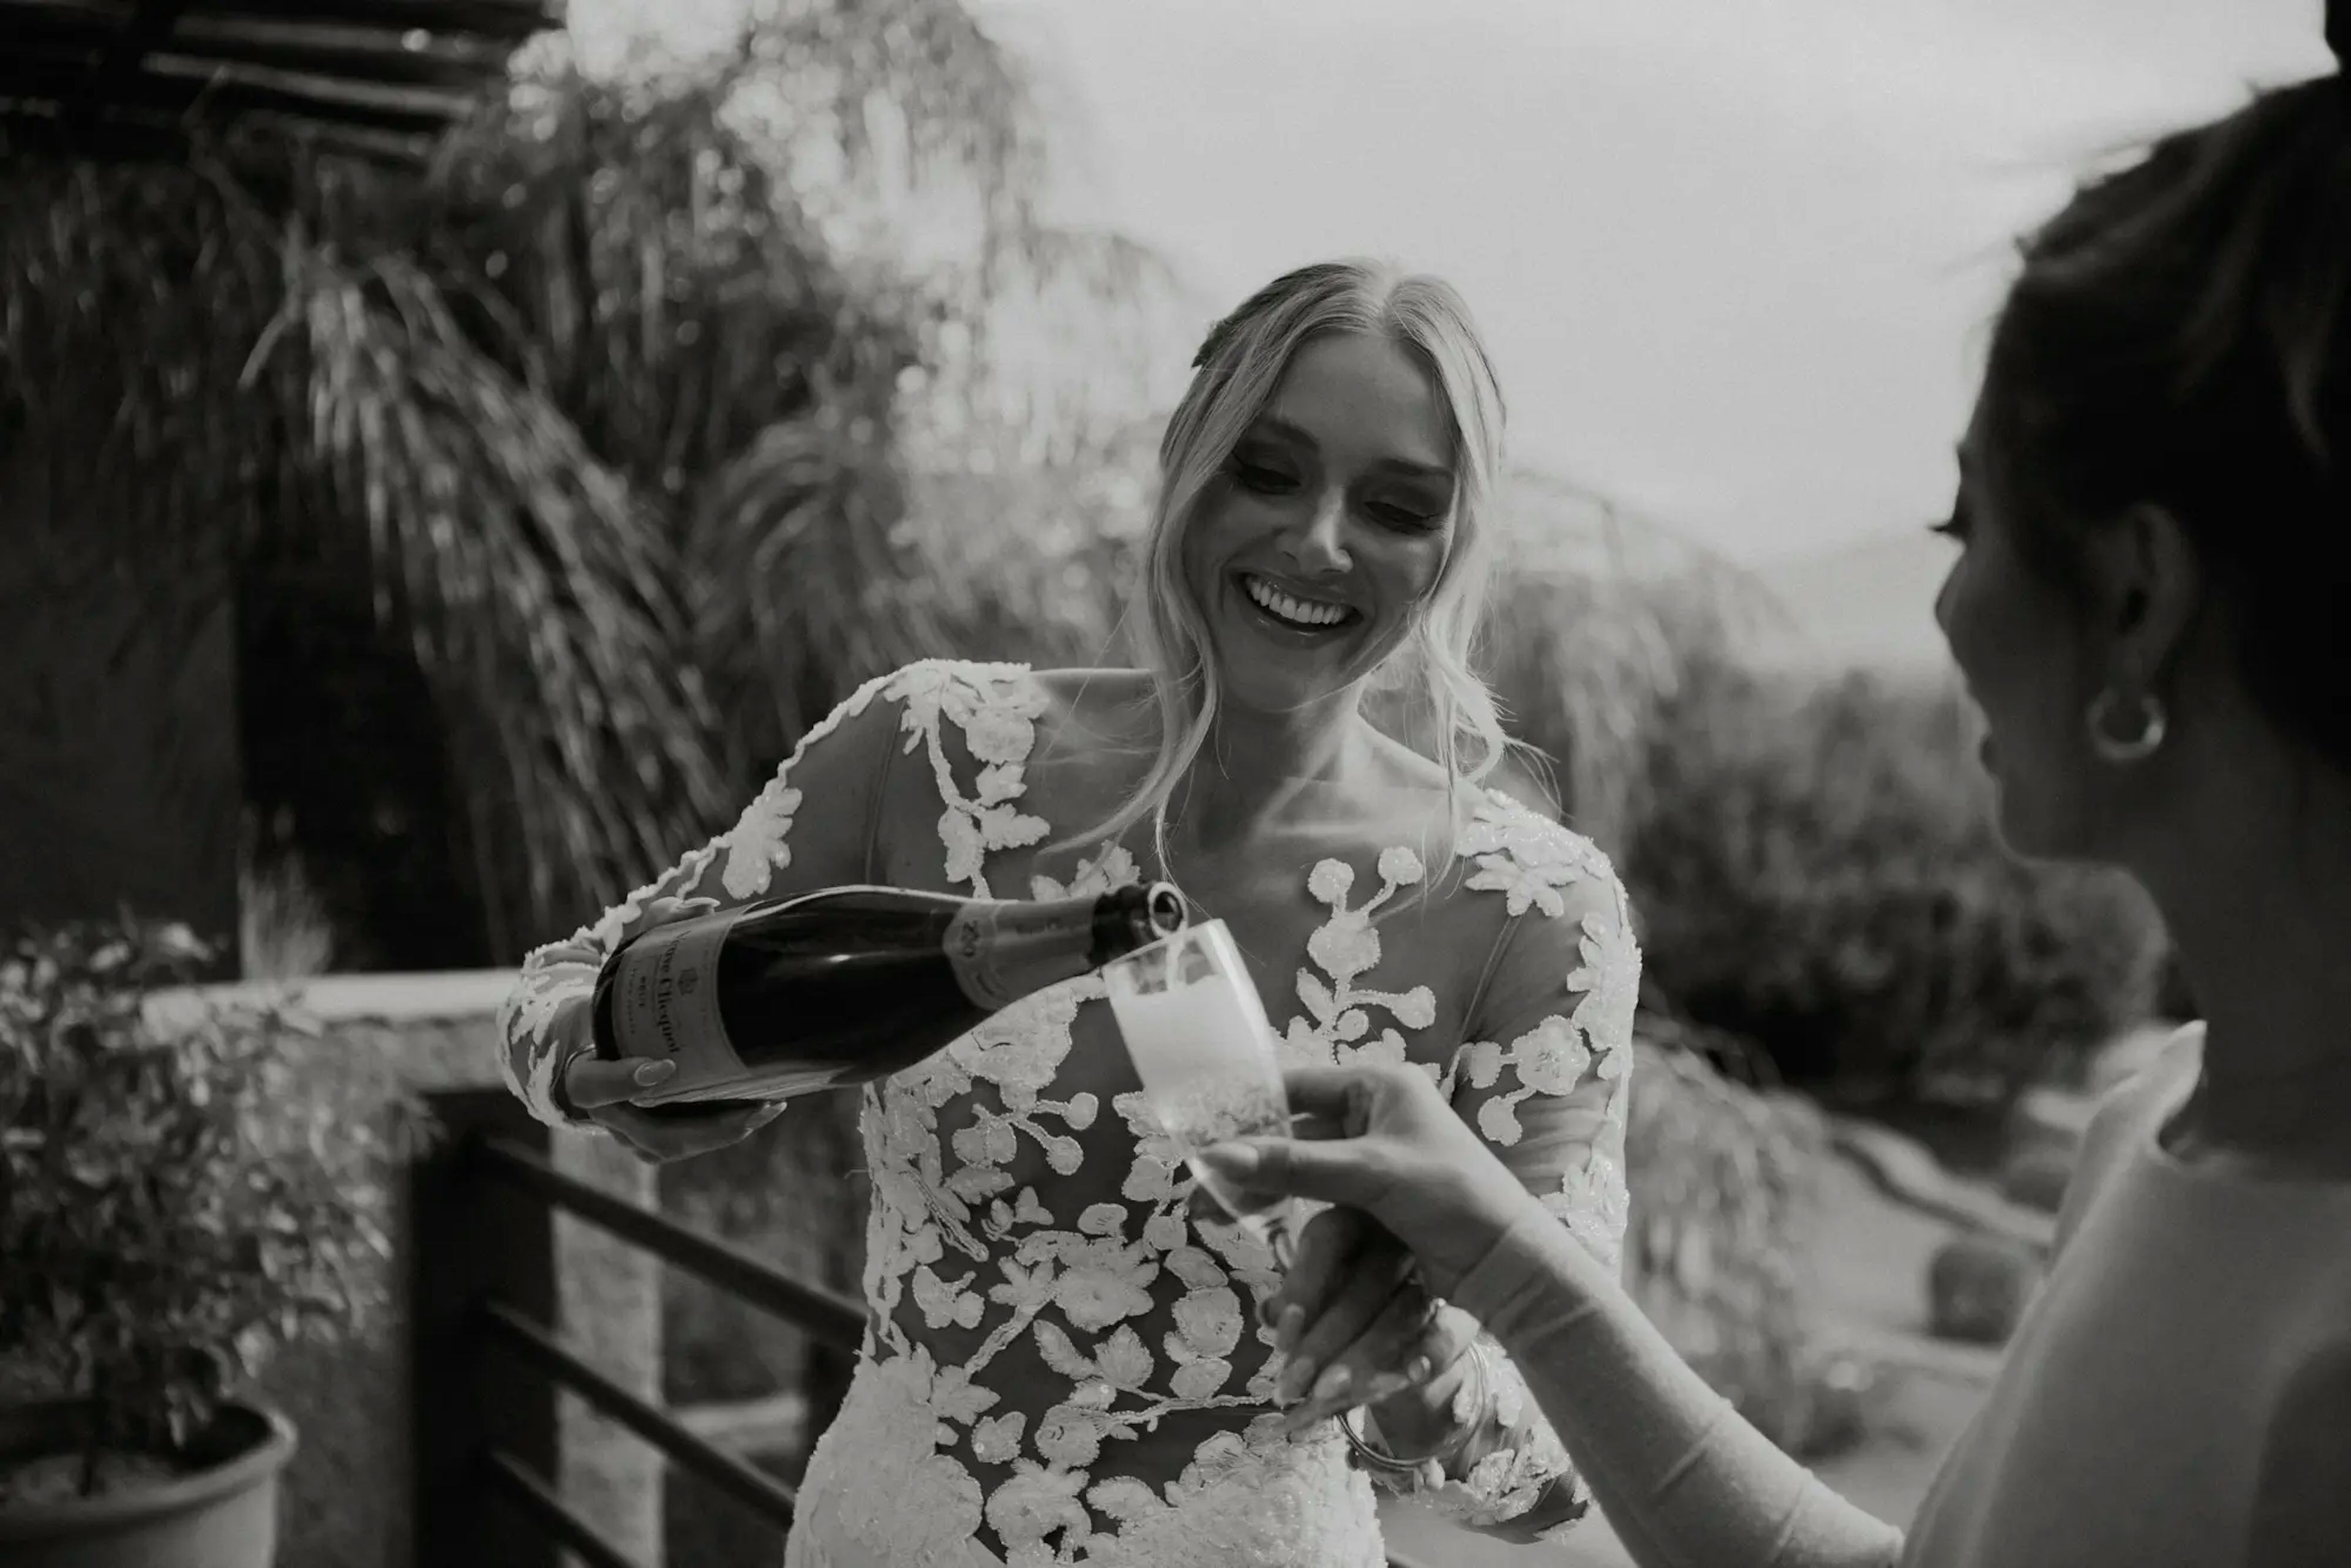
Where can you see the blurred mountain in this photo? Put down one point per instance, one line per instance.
(1869, 603)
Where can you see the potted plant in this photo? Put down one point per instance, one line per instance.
(180, 1194)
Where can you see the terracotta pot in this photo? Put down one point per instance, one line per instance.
(223, 1514)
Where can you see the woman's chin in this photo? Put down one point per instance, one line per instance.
(1281, 673)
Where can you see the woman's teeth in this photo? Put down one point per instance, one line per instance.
(1301, 613)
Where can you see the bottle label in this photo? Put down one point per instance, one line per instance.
(665, 1003)
(971, 950)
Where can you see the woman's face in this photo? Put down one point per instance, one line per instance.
(2017, 639)
(1311, 554)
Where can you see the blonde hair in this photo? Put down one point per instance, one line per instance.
(1236, 372)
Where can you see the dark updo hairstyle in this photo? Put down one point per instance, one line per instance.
(2178, 336)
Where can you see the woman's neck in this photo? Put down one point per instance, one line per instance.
(1255, 767)
(2259, 901)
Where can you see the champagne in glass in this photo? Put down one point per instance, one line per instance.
(1196, 1029)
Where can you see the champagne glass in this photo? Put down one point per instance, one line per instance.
(1196, 1029)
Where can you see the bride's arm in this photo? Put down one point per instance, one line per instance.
(811, 827)
(1544, 1083)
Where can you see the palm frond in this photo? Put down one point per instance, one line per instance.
(532, 584)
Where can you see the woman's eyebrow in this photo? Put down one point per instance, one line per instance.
(1274, 424)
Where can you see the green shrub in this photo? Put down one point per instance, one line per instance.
(1815, 868)
(180, 1196)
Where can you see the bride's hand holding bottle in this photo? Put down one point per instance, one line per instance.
(605, 1091)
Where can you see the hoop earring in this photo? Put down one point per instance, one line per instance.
(2123, 751)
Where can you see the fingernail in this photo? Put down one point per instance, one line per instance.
(1387, 1386)
(653, 1072)
(1286, 1329)
(1332, 1383)
(1420, 1369)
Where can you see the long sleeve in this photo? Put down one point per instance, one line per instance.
(1686, 1480)
(1545, 1079)
(811, 827)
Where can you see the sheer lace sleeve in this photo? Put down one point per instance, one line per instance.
(811, 827)
(1544, 1078)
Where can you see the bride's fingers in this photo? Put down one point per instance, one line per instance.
(1356, 1303)
(1377, 1363)
(1326, 1249)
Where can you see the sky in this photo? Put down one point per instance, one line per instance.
(1733, 258)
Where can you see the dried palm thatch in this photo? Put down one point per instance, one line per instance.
(252, 393)
(613, 432)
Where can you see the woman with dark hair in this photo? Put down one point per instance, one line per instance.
(2152, 608)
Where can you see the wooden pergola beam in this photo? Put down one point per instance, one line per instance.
(221, 97)
(107, 77)
(329, 51)
(507, 21)
(118, 63)
(132, 139)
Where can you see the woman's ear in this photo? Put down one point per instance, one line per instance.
(2147, 589)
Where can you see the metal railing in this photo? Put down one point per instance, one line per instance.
(487, 1358)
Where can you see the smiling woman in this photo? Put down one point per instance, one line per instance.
(1060, 1365)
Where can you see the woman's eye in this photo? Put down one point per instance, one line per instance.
(1415, 519)
(1265, 481)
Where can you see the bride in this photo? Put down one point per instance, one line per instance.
(1059, 1363)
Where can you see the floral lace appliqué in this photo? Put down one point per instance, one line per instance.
(1346, 947)
(1532, 861)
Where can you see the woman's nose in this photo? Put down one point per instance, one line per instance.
(1319, 544)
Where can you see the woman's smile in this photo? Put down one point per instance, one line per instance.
(1295, 610)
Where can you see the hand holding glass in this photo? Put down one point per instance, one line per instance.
(1196, 1029)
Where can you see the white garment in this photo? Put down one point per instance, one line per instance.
(1059, 1365)
(2119, 1436)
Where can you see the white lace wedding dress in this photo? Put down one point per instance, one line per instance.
(1059, 1365)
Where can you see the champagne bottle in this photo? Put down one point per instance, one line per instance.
(833, 989)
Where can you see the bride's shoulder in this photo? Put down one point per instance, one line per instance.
(1526, 853)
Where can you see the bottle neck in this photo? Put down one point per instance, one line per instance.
(1004, 950)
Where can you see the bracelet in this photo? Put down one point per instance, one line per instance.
(1378, 1459)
